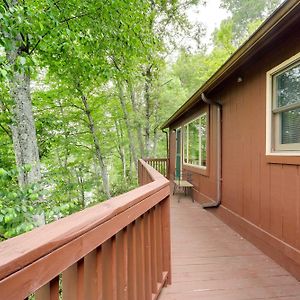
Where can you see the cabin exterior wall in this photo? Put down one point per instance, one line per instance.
(260, 194)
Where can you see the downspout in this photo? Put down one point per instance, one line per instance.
(167, 144)
(219, 152)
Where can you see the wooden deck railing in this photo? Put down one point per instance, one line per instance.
(159, 164)
(119, 249)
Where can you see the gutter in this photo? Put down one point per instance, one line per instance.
(217, 201)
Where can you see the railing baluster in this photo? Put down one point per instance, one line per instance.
(147, 236)
(132, 276)
(99, 269)
(69, 281)
(140, 258)
(153, 250)
(90, 276)
(54, 288)
(114, 268)
(43, 293)
(80, 279)
(49, 291)
(158, 242)
(109, 269)
(166, 237)
(122, 264)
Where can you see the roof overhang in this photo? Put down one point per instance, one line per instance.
(270, 28)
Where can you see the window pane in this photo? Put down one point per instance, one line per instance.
(203, 122)
(194, 143)
(288, 86)
(290, 127)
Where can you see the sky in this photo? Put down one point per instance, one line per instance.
(210, 15)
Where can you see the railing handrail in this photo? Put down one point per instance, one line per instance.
(155, 159)
(159, 164)
(154, 174)
(21, 251)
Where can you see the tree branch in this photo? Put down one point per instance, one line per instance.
(62, 22)
(115, 63)
(76, 106)
(5, 3)
(6, 131)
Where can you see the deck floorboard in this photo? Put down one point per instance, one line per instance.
(211, 261)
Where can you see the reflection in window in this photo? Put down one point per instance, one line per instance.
(193, 133)
(288, 86)
(195, 142)
(286, 108)
(290, 126)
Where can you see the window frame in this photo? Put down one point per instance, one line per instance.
(273, 124)
(200, 136)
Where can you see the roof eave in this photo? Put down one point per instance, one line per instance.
(228, 67)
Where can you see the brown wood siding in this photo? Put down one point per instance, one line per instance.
(260, 195)
(263, 193)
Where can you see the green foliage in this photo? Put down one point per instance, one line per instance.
(247, 15)
(74, 51)
(83, 58)
(20, 207)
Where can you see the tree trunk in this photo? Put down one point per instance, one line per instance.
(98, 176)
(127, 122)
(23, 127)
(137, 119)
(155, 131)
(155, 141)
(120, 148)
(148, 111)
(80, 182)
(66, 135)
(97, 146)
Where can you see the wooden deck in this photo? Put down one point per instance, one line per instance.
(211, 261)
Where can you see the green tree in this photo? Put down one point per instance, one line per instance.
(247, 15)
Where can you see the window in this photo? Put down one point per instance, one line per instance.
(195, 142)
(284, 106)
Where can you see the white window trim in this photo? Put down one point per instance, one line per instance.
(269, 107)
(200, 137)
(181, 143)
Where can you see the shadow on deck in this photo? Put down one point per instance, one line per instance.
(211, 261)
